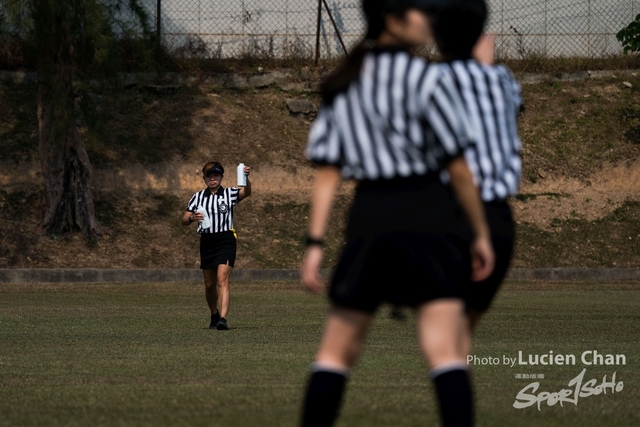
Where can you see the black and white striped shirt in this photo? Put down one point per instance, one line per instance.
(400, 118)
(492, 99)
(219, 207)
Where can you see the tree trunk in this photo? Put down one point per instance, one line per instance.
(65, 164)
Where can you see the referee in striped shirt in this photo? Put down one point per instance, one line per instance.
(217, 241)
(493, 102)
(392, 123)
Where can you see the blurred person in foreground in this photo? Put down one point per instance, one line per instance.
(492, 100)
(393, 123)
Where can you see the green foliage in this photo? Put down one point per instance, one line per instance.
(630, 36)
(14, 17)
(15, 50)
(18, 108)
(105, 36)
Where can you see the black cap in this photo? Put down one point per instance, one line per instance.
(216, 169)
(458, 26)
(402, 5)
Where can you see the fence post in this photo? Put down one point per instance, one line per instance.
(158, 47)
(546, 53)
(503, 36)
(318, 32)
(589, 30)
(159, 21)
(335, 27)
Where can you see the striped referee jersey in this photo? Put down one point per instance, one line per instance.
(402, 117)
(492, 99)
(219, 208)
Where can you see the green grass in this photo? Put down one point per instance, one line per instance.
(141, 355)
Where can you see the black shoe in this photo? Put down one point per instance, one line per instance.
(222, 324)
(215, 318)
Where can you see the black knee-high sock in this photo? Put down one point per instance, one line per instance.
(454, 394)
(323, 399)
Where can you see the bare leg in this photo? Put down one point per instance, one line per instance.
(224, 272)
(210, 289)
(341, 345)
(472, 319)
(343, 338)
(441, 328)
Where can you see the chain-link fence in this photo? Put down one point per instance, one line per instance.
(289, 28)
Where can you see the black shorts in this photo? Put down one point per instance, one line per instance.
(216, 249)
(479, 295)
(407, 243)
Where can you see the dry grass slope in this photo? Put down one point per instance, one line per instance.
(578, 204)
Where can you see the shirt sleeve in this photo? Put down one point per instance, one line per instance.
(323, 145)
(192, 206)
(234, 195)
(513, 89)
(447, 116)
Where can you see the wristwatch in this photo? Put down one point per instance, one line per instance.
(310, 241)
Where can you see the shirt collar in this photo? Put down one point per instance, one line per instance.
(219, 192)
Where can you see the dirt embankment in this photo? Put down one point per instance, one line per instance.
(578, 204)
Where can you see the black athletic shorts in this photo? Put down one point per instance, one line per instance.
(479, 295)
(216, 249)
(407, 243)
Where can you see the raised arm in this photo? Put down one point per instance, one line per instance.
(326, 184)
(484, 50)
(246, 190)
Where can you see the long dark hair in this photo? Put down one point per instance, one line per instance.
(349, 70)
(375, 12)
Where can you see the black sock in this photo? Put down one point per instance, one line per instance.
(323, 399)
(454, 394)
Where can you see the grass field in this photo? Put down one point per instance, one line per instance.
(141, 355)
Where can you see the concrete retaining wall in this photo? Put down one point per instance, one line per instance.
(145, 275)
